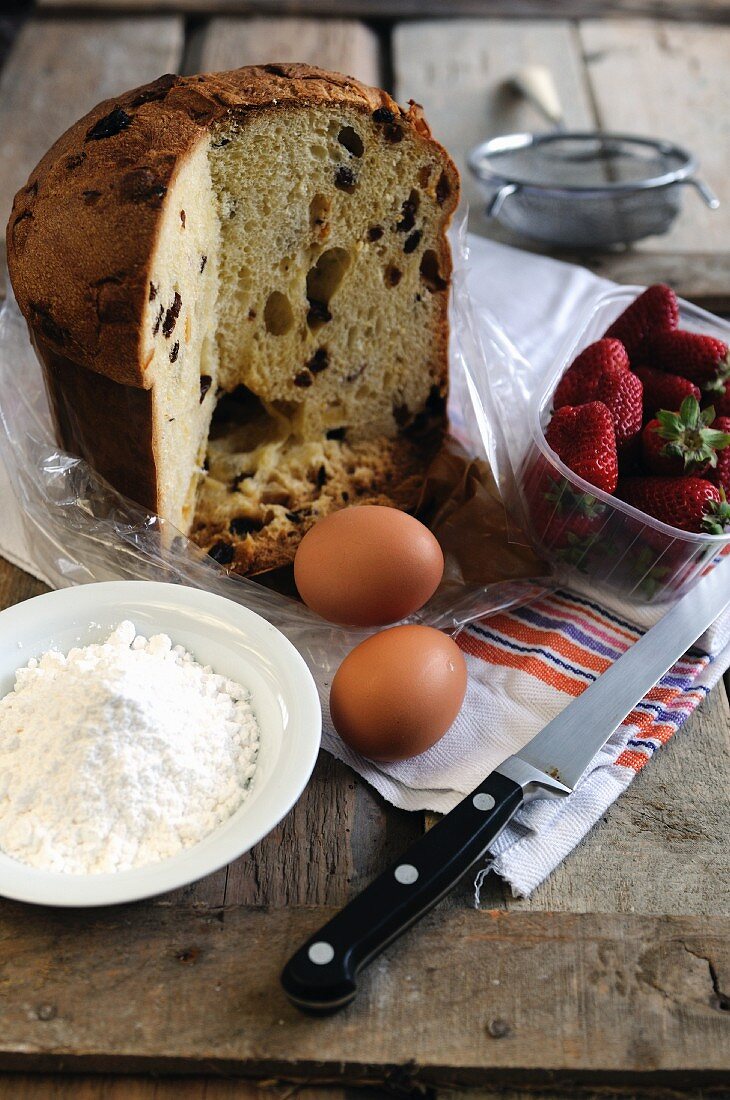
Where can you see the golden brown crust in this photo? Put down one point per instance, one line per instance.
(83, 229)
(108, 424)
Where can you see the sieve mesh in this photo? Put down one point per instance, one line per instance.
(583, 190)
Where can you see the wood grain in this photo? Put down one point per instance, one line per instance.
(341, 44)
(716, 10)
(701, 277)
(662, 847)
(61, 67)
(637, 76)
(19, 1086)
(459, 69)
(17, 585)
(666, 80)
(177, 990)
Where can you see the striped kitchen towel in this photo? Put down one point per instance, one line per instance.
(524, 666)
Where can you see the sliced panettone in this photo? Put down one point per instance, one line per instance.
(271, 241)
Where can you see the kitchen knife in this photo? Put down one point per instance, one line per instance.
(320, 977)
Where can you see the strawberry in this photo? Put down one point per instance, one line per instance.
(683, 442)
(656, 310)
(622, 394)
(584, 438)
(578, 384)
(688, 503)
(664, 391)
(566, 521)
(694, 355)
(720, 476)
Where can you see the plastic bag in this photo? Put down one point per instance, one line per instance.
(80, 530)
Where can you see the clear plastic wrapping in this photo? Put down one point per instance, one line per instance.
(78, 529)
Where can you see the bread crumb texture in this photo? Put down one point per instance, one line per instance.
(265, 251)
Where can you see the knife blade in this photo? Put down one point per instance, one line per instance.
(565, 747)
(321, 976)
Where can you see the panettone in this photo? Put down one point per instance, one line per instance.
(268, 244)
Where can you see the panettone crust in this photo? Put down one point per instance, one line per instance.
(81, 239)
(83, 229)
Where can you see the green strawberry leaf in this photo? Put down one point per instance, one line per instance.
(717, 517)
(689, 436)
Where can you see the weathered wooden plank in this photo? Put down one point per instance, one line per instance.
(19, 1086)
(341, 44)
(662, 847)
(522, 997)
(17, 585)
(409, 9)
(59, 68)
(474, 58)
(666, 80)
(459, 71)
(616, 1092)
(701, 277)
(338, 836)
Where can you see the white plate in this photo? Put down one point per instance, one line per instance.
(237, 643)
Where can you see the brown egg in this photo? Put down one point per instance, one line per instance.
(398, 692)
(367, 566)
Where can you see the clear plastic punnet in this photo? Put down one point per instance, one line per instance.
(586, 532)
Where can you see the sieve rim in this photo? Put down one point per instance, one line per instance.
(479, 156)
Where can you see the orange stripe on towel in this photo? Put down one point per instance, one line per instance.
(533, 666)
(629, 758)
(550, 639)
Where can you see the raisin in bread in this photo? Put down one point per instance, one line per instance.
(270, 241)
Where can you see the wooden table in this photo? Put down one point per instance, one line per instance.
(615, 974)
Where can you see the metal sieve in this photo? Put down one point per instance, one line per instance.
(585, 189)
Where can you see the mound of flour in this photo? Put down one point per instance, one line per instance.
(119, 755)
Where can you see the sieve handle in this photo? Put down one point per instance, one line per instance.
(708, 195)
(536, 84)
(498, 200)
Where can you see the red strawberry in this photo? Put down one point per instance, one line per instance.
(664, 391)
(656, 310)
(684, 442)
(565, 520)
(720, 476)
(694, 355)
(584, 438)
(622, 392)
(683, 502)
(578, 384)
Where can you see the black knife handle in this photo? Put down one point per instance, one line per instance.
(320, 977)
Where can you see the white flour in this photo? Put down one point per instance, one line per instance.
(119, 755)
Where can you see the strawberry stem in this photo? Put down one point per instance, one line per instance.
(689, 435)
